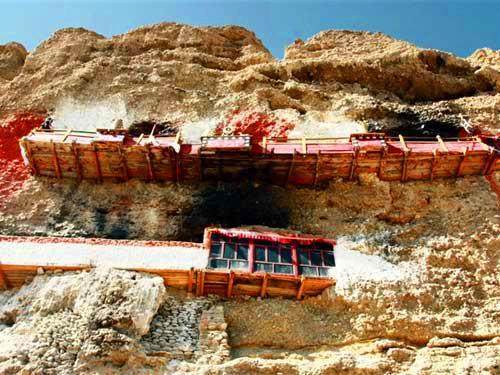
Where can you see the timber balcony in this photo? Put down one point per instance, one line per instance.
(115, 155)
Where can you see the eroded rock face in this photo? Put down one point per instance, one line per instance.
(12, 57)
(68, 322)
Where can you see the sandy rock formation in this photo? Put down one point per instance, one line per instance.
(69, 322)
(12, 57)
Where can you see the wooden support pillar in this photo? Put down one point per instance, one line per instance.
(354, 163)
(251, 256)
(290, 167)
(488, 166)
(230, 285)
(151, 174)
(200, 283)
(178, 168)
(3, 279)
(29, 155)
(265, 281)
(123, 160)
(190, 280)
(300, 292)
(382, 163)
(406, 154)
(435, 158)
(295, 260)
(78, 167)
(461, 164)
(57, 167)
(97, 163)
(316, 172)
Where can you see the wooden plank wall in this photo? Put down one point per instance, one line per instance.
(199, 282)
(112, 160)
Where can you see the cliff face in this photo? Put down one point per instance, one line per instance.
(179, 72)
(421, 292)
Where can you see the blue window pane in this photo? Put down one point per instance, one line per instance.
(215, 250)
(218, 263)
(303, 257)
(273, 254)
(286, 255)
(323, 272)
(280, 268)
(242, 252)
(329, 258)
(239, 264)
(264, 267)
(316, 258)
(308, 271)
(229, 250)
(260, 253)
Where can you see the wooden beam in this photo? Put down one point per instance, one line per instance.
(140, 139)
(31, 160)
(230, 284)
(461, 164)
(290, 167)
(316, 171)
(442, 144)
(3, 279)
(434, 163)
(123, 161)
(151, 174)
(202, 283)
(304, 145)
(300, 292)
(354, 162)
(404, 172)
(57, 167)
(97, 163)
(190, 280)
(265, 281)
(78, 167)
(382, 163)
(489, 163)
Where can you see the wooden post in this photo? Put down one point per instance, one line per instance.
(97, 163)
(3, 279)
(461, 164)
(251, 256)
(31, 160)
(489, 163)
(316, 172)
(403, 143)
(230, 284)
(404, 172)
(78, 167)
(178, 168)
(264, 145)
(382, 163)
(354, 162)
(151, 174)
(290, 167)
(123, 160)
(442, 144)
(55, 160)
(304, 145)
(295, 260)
(264, 285)
(190, 280)
(302, 284)
(434, 163)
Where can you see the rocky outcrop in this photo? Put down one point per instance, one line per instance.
(183, 73)
(12, 57)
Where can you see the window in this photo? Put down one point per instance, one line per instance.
(229, 253)
(315, 260)
(272, 257)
